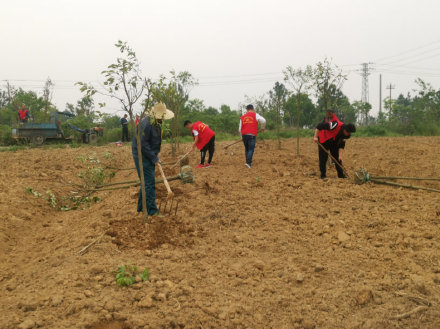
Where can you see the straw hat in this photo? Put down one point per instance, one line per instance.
(160, 111)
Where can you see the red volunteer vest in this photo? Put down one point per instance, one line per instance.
(325, 135)
(249, 124)
(205, 133)
(22, 114)
(331, 134)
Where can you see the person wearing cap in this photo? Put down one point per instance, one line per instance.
(151, 139)
(124, 123)
(333, 139)
(248, 128)
(204, 140)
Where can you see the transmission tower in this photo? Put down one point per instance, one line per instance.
(365, 72)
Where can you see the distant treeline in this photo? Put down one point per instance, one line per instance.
(417, 114)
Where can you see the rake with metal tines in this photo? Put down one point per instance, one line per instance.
(168, 210)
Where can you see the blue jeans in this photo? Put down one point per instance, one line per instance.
(150, 185)
(249, 147)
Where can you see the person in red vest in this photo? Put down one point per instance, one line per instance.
(330, 116)
(23, 114)
(336, 133)
(248, 129)
(204, 140)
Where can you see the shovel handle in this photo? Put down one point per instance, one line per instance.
(165, 181)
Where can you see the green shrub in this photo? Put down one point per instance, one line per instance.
(113, 135)
(6, 135)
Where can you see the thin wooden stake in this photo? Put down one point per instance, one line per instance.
(404, 185)
(418, 309)
(83, 250)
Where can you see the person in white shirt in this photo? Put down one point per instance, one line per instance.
(248, 129)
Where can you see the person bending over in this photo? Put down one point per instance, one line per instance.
(204, 140)
(336, 133)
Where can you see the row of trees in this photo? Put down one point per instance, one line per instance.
(297, 102)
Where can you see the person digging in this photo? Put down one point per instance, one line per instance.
(336, 133)
(248, 128)
(204, 140)
(151, 139)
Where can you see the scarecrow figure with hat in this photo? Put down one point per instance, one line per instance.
(151, 139)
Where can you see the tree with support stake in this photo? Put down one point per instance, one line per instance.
(125, 83)
(299, 81)
(174, 93)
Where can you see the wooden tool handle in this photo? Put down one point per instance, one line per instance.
(233, 143)
(336, 161)
(165, 181)
(180, 159)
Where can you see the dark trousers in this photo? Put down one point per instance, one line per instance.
(210, 147)
(150, 185)
(249, 142)
(125, 134)
(323, 157)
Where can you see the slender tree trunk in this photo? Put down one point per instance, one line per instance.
(298, 116)
(137, 133)
(278, 126)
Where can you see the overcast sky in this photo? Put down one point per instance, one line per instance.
(234, 47)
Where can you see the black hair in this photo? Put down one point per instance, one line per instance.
(250, 107)
(351, 128)
(186, 122)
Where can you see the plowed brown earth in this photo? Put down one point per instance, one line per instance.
(270, 247)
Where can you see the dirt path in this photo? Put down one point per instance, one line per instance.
(270, 247)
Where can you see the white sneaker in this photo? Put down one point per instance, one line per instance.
(248, 165)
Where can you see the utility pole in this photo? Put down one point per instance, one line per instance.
(390, 87)
(365, 72)
(8, 86)
(380, 95)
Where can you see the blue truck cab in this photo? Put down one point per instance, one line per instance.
(38, 133)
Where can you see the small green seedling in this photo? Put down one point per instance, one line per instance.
(126, 275)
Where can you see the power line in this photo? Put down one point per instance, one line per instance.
(408, 51)
(410, 67)
(414, 56)
(237, 75)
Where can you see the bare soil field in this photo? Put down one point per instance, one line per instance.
(270, 247)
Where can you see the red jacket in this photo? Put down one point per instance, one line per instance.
(249, 124)
(205, 133)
